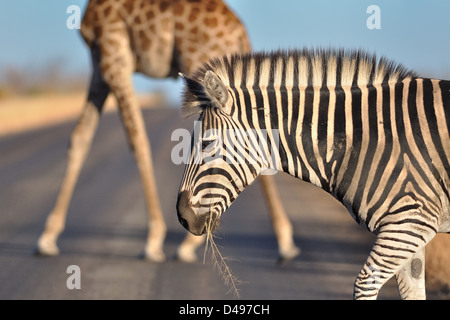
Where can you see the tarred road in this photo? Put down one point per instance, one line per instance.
(106, 227)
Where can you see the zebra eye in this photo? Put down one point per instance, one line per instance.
(206, 143)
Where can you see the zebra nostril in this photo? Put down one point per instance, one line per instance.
(182, 208)
(183, 222)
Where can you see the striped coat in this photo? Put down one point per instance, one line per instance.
(368, 131)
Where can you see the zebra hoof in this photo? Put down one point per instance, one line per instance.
(46, 248)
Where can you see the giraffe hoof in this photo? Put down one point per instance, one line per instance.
(289, 254)
(155, 256)
(46, 248)
(186, 256)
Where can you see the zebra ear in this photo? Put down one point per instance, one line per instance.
(215, 89)
(194, 97)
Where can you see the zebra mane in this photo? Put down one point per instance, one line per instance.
(303, 68)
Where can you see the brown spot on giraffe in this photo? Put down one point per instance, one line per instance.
(214, 47)
(150, 14)
(211, 6)
(164, 5)
(178, 9)
(194, 31)
(195, 12)
(108, 11)
(179, 26)
(211, 22)
(137, 20)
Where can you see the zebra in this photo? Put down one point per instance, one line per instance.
(365, 129)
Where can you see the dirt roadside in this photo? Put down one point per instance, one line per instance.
(22, 113)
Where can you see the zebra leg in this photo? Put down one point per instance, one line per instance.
(280, 221)
(186, 250)
(396, 247)
(80, 143)
(411, 278)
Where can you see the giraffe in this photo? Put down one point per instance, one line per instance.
(158, 38)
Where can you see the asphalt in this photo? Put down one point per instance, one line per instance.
(106, 227)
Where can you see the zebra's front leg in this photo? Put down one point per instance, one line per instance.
(411, 278)
(394, 252)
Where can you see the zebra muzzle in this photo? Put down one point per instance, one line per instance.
(194, 223)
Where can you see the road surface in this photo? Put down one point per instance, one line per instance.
(106, 227)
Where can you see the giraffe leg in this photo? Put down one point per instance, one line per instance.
(280, 222)
(120, 81)
(80, 143)
(137, 136)
(186, 250)
(396, 251)
(411, 278)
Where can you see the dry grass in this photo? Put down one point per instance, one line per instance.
(219, 262)
(438, 264)
(21, 113)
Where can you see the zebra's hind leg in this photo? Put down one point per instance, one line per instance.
(411, 278)
(394, 251)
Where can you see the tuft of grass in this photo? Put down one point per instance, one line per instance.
(220, 262)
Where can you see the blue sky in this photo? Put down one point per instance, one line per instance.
(415, 33)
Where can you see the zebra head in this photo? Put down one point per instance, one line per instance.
(225, 154)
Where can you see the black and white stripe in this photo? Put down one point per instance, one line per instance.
(368, 131)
